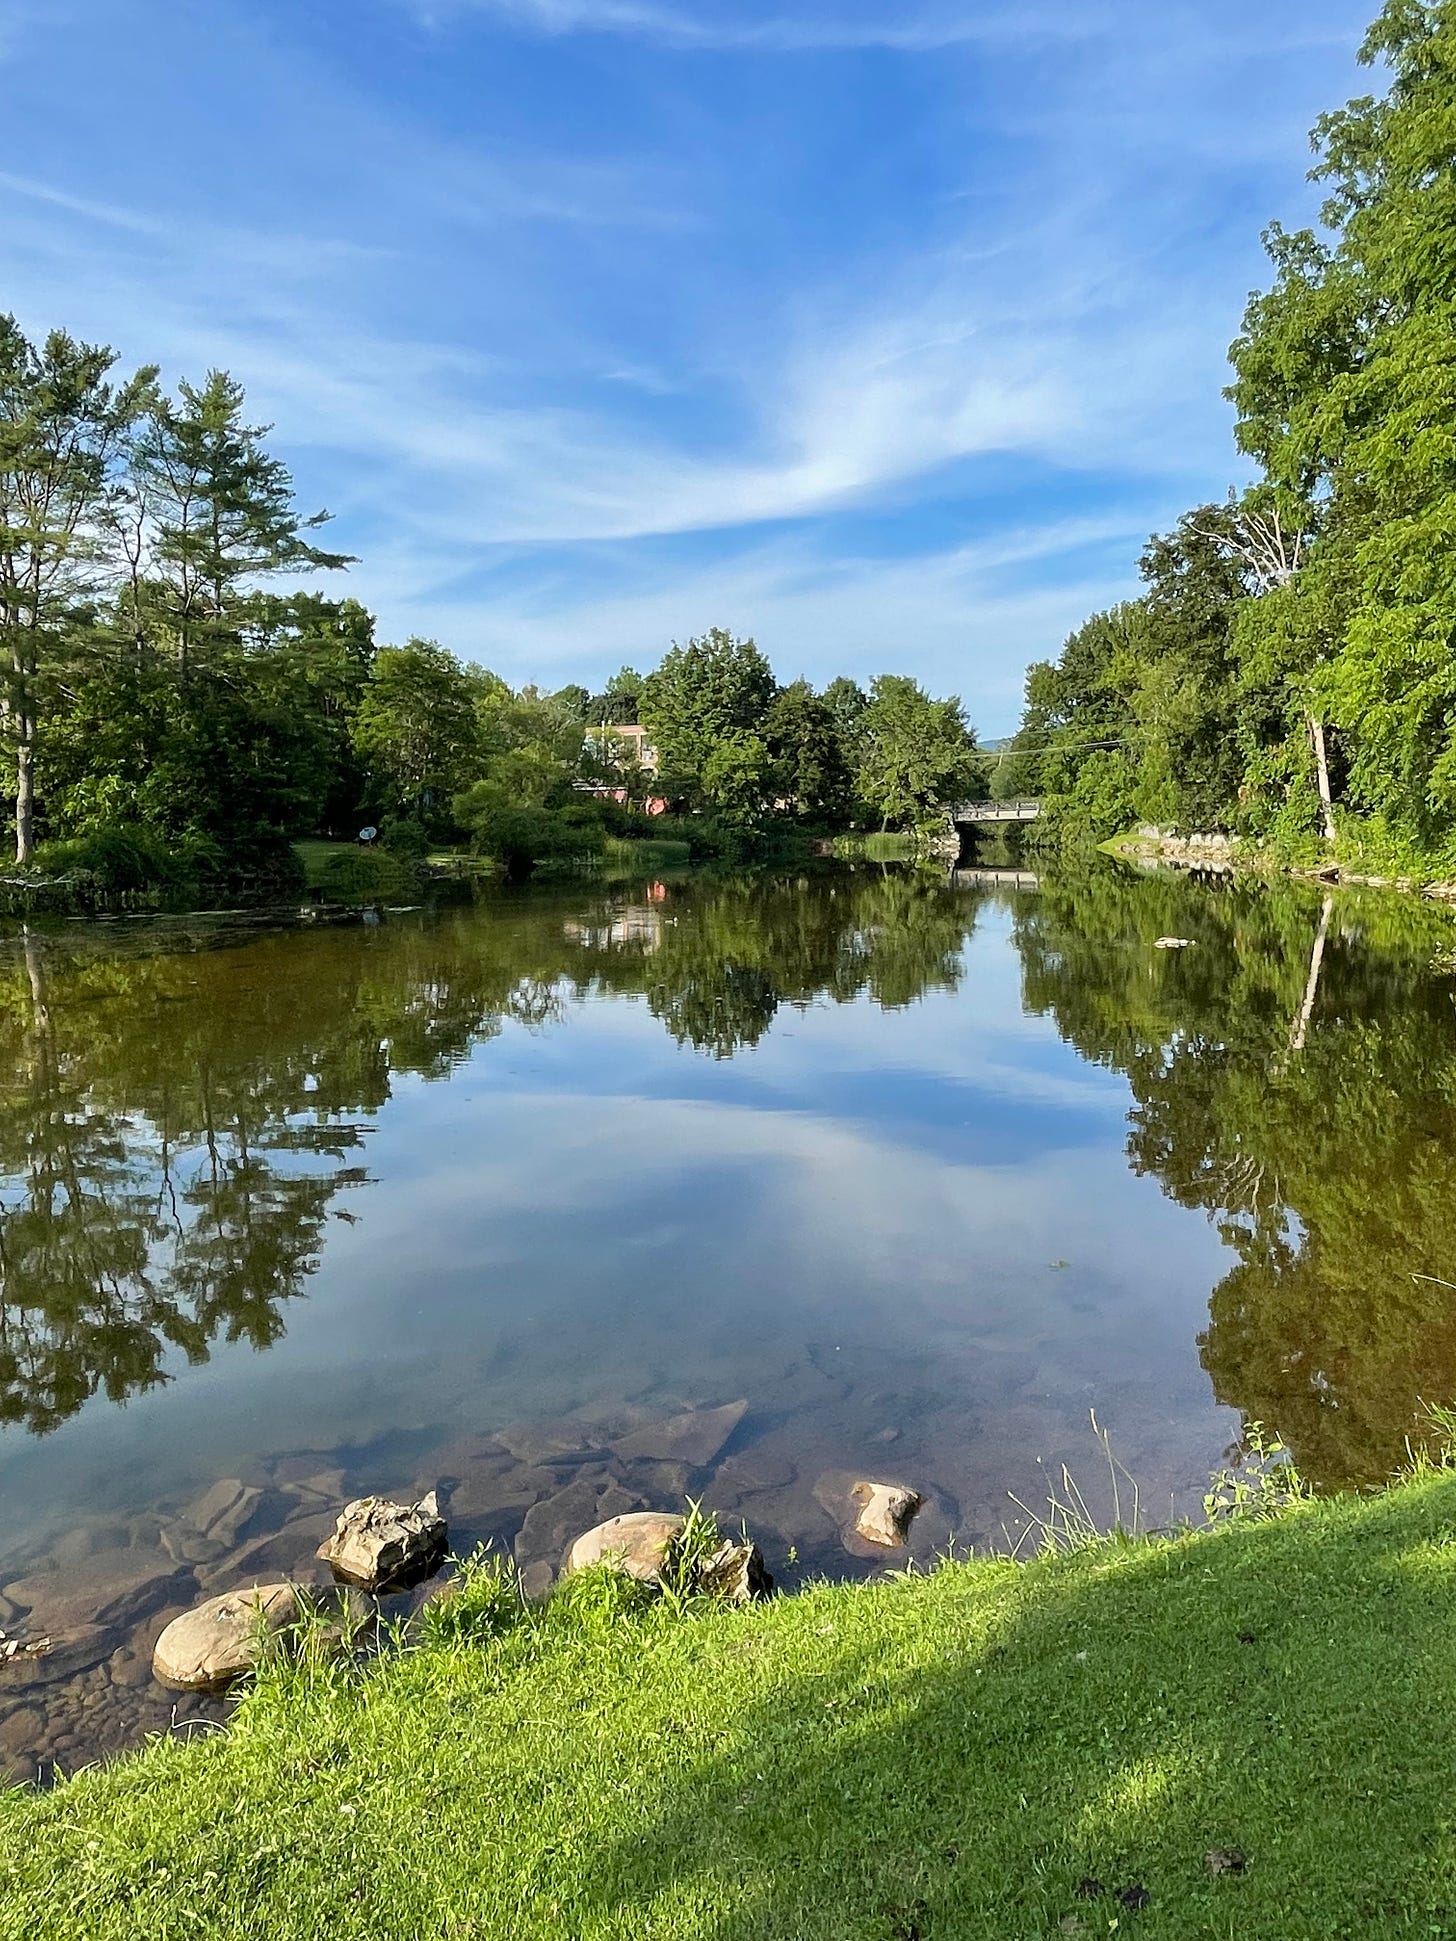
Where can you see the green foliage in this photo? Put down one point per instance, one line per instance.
(406, 837)
(806, 748)
(1261, 1482)
(617, 705)
(1320, 606)
(913, 755)
(704, 708)
(521, 835)
(415, 729)
(114, 859)
(483, 1600)
(646, 856)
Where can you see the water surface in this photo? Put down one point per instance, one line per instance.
(922, 1170)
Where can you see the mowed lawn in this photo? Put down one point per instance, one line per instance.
(993, 1751)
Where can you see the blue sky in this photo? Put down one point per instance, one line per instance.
(883, 330)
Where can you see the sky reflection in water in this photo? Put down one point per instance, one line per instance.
(877, 1153)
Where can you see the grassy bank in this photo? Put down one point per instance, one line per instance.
(876, 846)
(644, 856)
(993, 1751)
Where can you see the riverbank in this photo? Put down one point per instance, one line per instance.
(1247, 1731)
(1222, 854)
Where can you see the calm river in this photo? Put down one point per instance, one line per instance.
(919, 1170)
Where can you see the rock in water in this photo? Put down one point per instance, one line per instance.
(382, 1545)
(640, 1544)
(694, 1438)
(886, 1513)
(643, 1544)
(735, 1573)
(225, 1512)
(206, 1649)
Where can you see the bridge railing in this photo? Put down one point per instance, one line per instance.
(1013, 809)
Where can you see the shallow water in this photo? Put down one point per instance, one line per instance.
(920, 1170)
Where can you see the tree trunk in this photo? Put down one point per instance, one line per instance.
(1322, 773)
(24, 789)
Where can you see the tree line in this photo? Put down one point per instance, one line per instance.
(165, 707)
(1288, 673)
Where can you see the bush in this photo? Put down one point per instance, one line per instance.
(406, 837)
(112, 861)
(645, 855)
(266, 870)
(523, 836)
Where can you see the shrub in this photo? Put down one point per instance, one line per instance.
(113, 861)
(522, 836)
(406, 837)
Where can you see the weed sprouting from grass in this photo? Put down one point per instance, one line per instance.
(696, 1543)
(1443, 1421)
(484, 1599)
(594, 1602)
(1435, 1451)
(1068, 1523)
(318, 1650)
(1259, 1483)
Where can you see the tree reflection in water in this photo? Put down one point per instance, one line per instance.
(1294, 1076)
(179, 1121)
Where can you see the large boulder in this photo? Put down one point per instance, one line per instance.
(206, 1649)
(386, 1546)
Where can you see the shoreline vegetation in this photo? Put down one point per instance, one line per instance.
(1216, 853)
(1244, 1728)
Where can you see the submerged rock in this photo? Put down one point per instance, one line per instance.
(382, 1545)
(208, 1648)
(225, 1512)
(886, 1513)
(548, 1525)
(694, 1437)
(55, 1658)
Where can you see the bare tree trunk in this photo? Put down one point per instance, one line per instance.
(1299, 1031)
(1322, 772)
(24, 790)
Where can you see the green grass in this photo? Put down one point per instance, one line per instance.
(877, 846)
(944, 1758)
(315, 855)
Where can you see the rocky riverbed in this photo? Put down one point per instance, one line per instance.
(104, 1592)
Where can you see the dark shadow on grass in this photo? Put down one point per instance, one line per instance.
(1286, 1690)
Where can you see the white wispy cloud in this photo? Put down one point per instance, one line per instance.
(968, 618)
(732, 26)
(511, 371)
